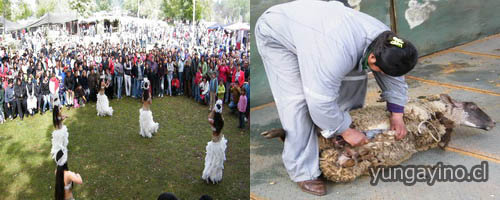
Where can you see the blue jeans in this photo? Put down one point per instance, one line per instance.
(162, 85)
(134, 87)
(227, 95)
(62, 99)
(242, 120)
(207, 98)
(46, 101)
(197, 97)
(138, 83)
(170, 76)
(119, 81)
(193, 92)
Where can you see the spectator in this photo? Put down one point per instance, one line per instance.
(242, 108)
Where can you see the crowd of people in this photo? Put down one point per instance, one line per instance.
(181, 59)
(207, 66)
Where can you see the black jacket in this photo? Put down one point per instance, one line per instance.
(69, 82)
(187, 73)
(38, 90)
(83, 82)
(20, 91)
(134, 71)
(45, 88)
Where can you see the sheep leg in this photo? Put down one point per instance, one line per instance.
(279, 132)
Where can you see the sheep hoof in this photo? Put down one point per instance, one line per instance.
(274, 134)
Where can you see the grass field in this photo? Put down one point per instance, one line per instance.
(115, 162)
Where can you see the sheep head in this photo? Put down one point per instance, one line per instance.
(467, 113)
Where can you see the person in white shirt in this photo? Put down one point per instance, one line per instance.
(205, 89)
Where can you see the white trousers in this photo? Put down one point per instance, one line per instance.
(301, 152)
(128, 85)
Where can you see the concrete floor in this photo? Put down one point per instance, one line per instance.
(469, 72)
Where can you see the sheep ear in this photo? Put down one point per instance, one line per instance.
(448, 100)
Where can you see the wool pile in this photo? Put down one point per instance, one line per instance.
(428, 124)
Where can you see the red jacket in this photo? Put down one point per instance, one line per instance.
(176, 83)
(197, 79)
(233, 79)
(111, 67)
(3, 71)
(241, 79)
(223, 73)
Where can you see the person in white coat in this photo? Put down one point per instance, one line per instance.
(316, 55)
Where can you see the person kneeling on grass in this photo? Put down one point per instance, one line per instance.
(204, 91)
(216, 155)
(80, 97)
(235, 97)
(102, 105)
(148, 126)
(175, 86)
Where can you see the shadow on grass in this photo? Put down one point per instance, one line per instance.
(116, 163)
(27, 171)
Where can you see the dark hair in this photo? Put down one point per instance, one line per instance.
(205, 197)
(145, 95)
(391, 59)
(59, 193)
(218, 122)
(167, 196)
(55, 117)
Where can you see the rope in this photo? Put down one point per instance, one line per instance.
(430, 133)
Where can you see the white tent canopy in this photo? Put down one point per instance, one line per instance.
(238, 26)
(9, 25)
(52, 18)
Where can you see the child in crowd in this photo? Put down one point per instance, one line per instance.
(175, 85)
(235, 97)
(242, 108)
(221, 90)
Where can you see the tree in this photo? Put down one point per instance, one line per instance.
(45, 6)
(103, 5)
(183, 9)
(23, 11)
(148, 8)
(233, 9)
(83, 7)
(5, 7)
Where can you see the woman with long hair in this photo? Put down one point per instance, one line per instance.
(102, 105)
(216, 149)
(148, 126)
(65, 178)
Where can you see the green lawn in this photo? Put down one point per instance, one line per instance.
(115, 162)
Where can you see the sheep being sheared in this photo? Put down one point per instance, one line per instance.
(429, 123)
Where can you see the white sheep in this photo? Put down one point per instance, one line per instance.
(429, 123)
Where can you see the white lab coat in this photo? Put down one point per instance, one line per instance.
(312, 53)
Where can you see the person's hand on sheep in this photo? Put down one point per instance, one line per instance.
(354, 137)
(398, 125)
